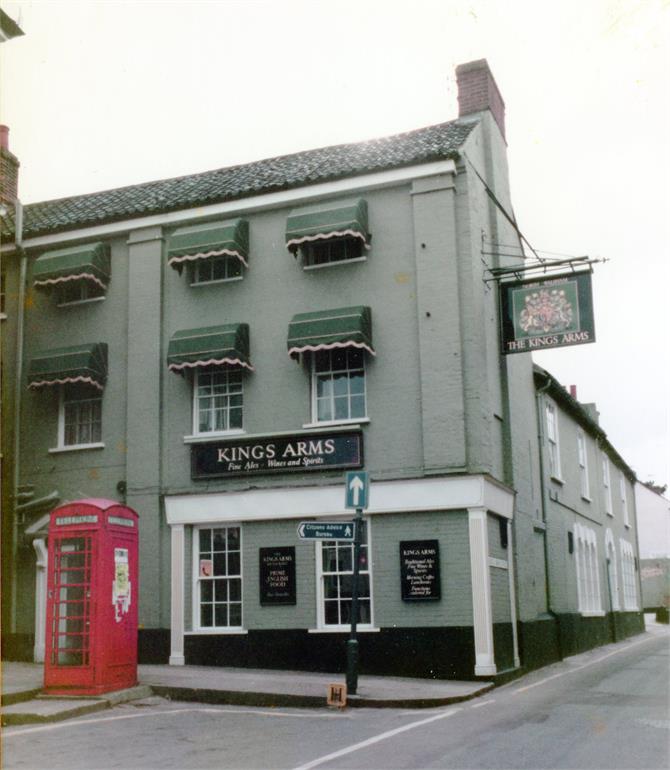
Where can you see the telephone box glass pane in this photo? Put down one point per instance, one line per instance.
(70, 624)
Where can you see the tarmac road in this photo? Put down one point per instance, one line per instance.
(608, 708)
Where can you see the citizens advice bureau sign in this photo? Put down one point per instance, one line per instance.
(277, 454)
(546, 313)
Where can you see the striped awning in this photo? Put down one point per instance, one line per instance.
(226, 345)
(213, 239)
(347, 327)
(77, 363)
(90, 262)
(338, 219)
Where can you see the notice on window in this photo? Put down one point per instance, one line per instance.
(206, 569)
(121, 587)
(277, 575)
(420, 570)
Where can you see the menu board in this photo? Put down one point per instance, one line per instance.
(420, 570)
(277, 575)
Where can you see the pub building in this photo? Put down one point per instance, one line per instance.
(216, 351)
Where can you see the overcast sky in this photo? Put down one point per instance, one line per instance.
(104, 94)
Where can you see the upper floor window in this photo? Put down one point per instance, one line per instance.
(80, 415)
(583, 465)
(218, 400)
(77, 273)
(338, 385)
(216, 269)
(332, 250)
(213, 251)
(607, 485)
(552, 440)
(329, 232)
(335, 345)
(624, 499)
(78, 291)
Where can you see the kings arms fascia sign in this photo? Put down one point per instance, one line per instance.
(539, 314)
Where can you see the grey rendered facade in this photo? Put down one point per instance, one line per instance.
(449, 430)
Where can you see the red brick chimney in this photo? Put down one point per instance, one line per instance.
(477, 91)
(9, 169)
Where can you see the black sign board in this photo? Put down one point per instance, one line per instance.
(277, 454)
(546, 313)
(420, 570)
(277, 575)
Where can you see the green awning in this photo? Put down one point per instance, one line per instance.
(226, 345)
(209, 240)
(347, 327)
(338, 219)
(90, 262)
(78, 363)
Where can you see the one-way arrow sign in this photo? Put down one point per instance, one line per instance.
(326, 530)
(357, 489)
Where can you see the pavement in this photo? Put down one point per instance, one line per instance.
(23, 701)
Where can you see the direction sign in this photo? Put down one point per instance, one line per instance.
(326, 530)
(357, 489)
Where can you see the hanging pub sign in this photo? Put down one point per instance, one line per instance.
(277, 575)
(419, 570)
(277, 454)
(547, 313)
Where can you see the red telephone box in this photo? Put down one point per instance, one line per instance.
(91, 628)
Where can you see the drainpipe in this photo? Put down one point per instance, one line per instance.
(543, 489)
(23, 271)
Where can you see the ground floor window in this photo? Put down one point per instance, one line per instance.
(336, 569)
(628, 575)
(588, 577)
(612, 571)
(218, 593)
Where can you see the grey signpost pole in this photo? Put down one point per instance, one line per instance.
(352, 644)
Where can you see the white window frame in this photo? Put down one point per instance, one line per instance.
(321, 624)
(553, 442)
(197, 581)
(624, 499)
(607, 485)
(613, 571)
(227, 259)
(89, 291)
(196, 408)
(61, 445)
(628, 575)
(583, 459)
(313, 391)
(307, 252)
(588, 573)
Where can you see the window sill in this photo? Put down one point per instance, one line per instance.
(586, 499)
(333, 423)
(610, 514)
(3, 316)
(214, 436)
(335, 264)
(343, 630)
(195, 284)
(76, 448)
(216, 631)
(80, 302)
(557, 479)
(627, 525)
(594, 614)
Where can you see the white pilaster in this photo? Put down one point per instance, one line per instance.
(177, 596)
(512, 594)
(42, 552)
(482, 613)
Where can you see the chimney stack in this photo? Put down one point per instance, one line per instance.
(9, 170)
(477, 91)
(573, 391)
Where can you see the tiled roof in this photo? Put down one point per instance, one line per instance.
(225, 184)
